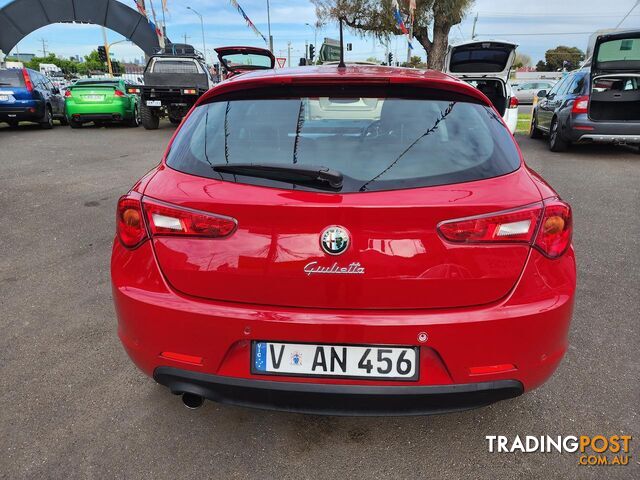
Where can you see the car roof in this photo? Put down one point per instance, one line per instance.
(322, 75)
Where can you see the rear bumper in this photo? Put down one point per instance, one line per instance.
(31, 111)
(583, 130)
(103, 111)
(330, 399)
(527, 330)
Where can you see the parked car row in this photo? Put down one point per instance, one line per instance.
(29, 96)
(600, 103)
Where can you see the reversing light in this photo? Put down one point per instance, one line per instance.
(129, 222)
(170, 220)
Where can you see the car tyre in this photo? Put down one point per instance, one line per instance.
(47, 123)
(534, 132)
(134, 121)
(175, 121)
(556, 142)
(13, 123)
(74, 123)
(150, 121)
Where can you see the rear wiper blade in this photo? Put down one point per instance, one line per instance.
(322, 178)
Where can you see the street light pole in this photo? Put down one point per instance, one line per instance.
(204, 45)
(269, 26)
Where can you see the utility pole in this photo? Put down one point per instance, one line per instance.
(289, 53)
(269, 26)
(185, 37)
(473, 30)
(106, 49)
(44, 47)
(204, 45)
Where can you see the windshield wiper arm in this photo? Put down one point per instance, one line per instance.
(322, 178)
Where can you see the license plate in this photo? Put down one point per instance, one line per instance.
(154, 103)
(4, 98)
(352, 361)
(93, 98)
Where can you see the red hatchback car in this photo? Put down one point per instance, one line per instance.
(360, 241)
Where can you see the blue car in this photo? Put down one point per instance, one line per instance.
(29, 96)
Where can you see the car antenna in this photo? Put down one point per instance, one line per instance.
(341, 64)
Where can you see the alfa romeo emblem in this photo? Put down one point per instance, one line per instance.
(334, 240)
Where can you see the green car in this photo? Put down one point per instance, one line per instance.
(102, 101)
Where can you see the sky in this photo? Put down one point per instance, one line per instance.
(536, 25)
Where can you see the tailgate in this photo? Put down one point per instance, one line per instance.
(395, 258)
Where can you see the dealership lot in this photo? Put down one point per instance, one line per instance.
(74, 405)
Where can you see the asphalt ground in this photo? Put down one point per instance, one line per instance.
(72, 405)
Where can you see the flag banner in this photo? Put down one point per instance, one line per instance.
(400, 22)
(164, 6)
(154, 24)
(250, 24)
(140, 7)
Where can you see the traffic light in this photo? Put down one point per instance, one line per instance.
(312, 53)
(390, 59)
(102, 53)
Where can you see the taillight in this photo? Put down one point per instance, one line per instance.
(554, 235)
(514, 102)
(119, 93)
(67, 93)
(129, 221)
(189, 91)
(27, 80)
(168, 220)
(546, 226)
(133, 90)
(508, 226)
(581, 104)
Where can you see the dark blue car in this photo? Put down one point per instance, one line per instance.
(29, 96)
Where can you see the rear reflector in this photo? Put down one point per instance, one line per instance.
(129, 223)
(170, 220)
(181, 357)
(546, 226)
(488, 369)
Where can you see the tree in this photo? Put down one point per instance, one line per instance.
(541, 66)
(414, 62)
(375, 17)
(522, 60)
(563, 57)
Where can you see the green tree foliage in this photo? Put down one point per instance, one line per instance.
(414, 62)
(541, 66)
(433, 21)
(91, 64)
(563, 57)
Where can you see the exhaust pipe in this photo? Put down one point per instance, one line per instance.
(192, 401)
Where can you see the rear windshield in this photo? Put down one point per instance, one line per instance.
(621, 53)
(250, 61)
(376, 143)
(97, 83)
(479, 58)
(175, 66)
(11, 78)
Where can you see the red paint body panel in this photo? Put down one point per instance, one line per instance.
(394, 238)
(480, 305)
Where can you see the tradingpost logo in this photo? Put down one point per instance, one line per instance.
(592, 450)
